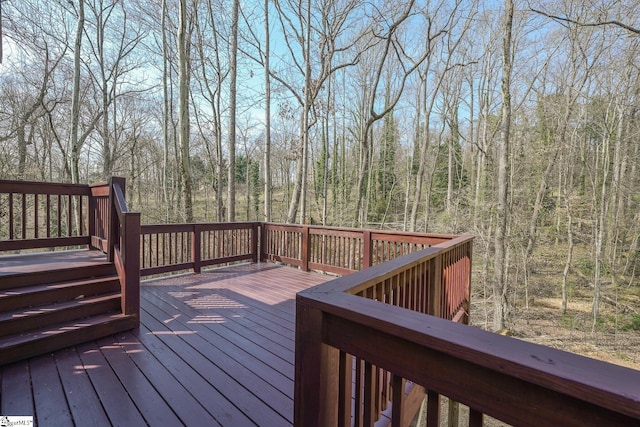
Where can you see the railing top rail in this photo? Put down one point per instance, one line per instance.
(363, 279)
(440, 236)
(119, 200)
(241, 224)
(611, 386)
(29, 187)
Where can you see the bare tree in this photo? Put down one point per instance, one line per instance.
(267, 115)
(500, 305)
(75, 99)
(184, 46)
(233, 87)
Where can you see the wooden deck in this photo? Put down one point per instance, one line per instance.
(215, 348)
(48, 261)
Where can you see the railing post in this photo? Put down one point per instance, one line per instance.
(367, 245)
(254, 242)
(467, 287)
(91, 212)
(114, 225)
(435, 286)
(263, 241)
(315, 400)
(131, 258)
(305, 249)
(196, 249)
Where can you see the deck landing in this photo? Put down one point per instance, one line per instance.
(48, 261)
(213, 349)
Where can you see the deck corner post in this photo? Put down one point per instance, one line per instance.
(196, 248)
(315, 400)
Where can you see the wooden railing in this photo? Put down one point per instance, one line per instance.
(36, 215)
(100, 208)
(339, 250)
(124, 247)
(368, 346)
(173, 247)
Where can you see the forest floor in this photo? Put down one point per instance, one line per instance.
(611, 341)
(615, 338)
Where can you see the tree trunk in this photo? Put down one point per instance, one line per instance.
(183, 107)
(267, 117)
(166, 118)
(500, 315)
(233, 75)
(75, 97)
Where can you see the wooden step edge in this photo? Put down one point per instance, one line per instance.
(18, 280)
(34, 296)
(21, 320)
(57, 337)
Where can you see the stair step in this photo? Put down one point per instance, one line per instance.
(55, 337)
(21, 320)
(19, 280)
(33, 296)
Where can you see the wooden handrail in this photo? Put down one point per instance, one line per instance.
(44, 215)
(339, 250)
(174, 247)
(514, 381)
(125, 246)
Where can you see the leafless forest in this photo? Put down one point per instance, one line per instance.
(515, 121)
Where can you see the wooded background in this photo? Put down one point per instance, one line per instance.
(516, 122)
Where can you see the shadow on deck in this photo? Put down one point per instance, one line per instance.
(215, 348)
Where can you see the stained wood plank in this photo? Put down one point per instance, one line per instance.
(183, 403)
(263, 403)
(190, 372)
(240, 342)
(152, 406)
(48, 395)
(115, 400)
(49, 261)
(82, 400)
(15, 395)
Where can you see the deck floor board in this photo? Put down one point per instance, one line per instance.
(82, 400)
(48, 394)
(213, 349)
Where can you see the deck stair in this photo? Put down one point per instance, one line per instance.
(43, 311)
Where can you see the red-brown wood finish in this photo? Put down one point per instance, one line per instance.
(514, 381)
(42, 215)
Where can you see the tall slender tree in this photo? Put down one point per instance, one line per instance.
(184, 46)
(500, 304)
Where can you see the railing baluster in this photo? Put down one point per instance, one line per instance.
(48, 215)
(35, 216)
(345, 390)
(11, 224)
(24, 216)
(475, 418)
(59, 215)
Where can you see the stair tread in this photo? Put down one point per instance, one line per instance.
(59, 306)
(27, 290)
(59, 329)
